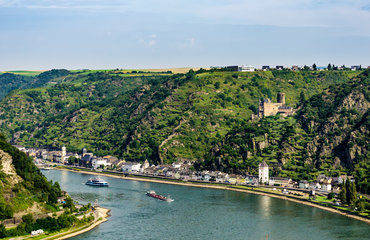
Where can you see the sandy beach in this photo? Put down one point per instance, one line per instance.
(200, 185)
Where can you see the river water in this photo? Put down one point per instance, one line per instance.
(201, 213)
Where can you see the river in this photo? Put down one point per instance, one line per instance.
(201, 213)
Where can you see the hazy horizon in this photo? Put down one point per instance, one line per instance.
(127, 34)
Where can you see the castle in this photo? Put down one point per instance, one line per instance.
(268, 108)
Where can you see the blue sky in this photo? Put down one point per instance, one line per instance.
(76, 34)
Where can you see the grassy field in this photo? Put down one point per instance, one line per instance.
(25, 72)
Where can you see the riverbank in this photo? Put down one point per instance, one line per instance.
(232, 188)
(101, 215)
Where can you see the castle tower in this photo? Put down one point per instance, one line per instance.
(281, 98)
(263, 172)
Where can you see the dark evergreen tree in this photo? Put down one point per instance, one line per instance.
(343, 194)
(353, 194)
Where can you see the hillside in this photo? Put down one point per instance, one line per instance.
(13, 81)
(22, 186)
(160, 117)
(329, 134)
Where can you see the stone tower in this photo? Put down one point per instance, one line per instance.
(281, 98)
(263, 172)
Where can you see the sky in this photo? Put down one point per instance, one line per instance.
(138, 34)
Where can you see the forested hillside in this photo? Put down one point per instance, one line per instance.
(159, 117)
(11, 81)
(329, 134)
(201, 116)
(21, 183)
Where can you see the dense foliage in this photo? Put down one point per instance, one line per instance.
(33, 182)
(10, 82)
(200, 116)
(330, 135)
(48, 225)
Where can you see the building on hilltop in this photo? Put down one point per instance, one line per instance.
(267, 108)
(242, 68)
(263, 172)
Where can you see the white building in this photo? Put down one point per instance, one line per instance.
(64, 154)
(326, 187)
(263, 172)
(99, 163)
(144, 166)
(131, 167)
(244, 68)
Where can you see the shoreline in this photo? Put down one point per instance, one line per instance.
(229, 188)
(101, 216)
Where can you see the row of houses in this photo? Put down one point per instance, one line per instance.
(183, 170)
(249, 68)
(325, 183)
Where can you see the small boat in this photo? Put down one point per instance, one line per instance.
(97, 182)
(160, 197)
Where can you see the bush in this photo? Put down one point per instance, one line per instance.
(331, 195)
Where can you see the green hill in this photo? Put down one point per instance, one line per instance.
(21, 183)
(330, 134)
(10, 81)
(201, 116)
(138, 117)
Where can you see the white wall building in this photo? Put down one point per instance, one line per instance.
(131, 167)
(263, 172)
(244, 68)
(99, 162)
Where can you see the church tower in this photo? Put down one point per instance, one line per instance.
(263, 172)
(64, 153)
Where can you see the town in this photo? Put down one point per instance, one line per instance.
(250, 68)
(183, 171)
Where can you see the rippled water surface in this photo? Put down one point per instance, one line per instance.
(200, 213)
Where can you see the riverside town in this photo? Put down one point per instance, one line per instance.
(184, 171)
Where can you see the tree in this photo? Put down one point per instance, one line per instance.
(329, 67)
(2, 231)
(314, 67)
(302, 98)
(28, 218)
(69, 203)
(217, 85)
(343, 194)
(331, 195)
(352, 193)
